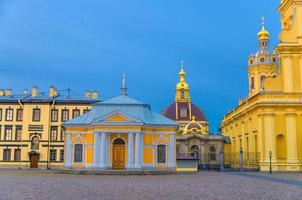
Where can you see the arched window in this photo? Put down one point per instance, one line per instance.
(35, 143)
(78, 153)
(161, 154)
(212, 153)
(118, 141)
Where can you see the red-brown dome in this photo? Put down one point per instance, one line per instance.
(183, 112)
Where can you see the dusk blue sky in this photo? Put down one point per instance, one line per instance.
(89, 44)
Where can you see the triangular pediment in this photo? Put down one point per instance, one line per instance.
(117, 117)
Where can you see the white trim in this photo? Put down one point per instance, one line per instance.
(111, 149)
(119, 137)
(156, 144)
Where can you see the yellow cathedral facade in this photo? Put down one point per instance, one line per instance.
(121, 133)
(269, 121)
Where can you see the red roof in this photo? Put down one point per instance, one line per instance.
(170, 112)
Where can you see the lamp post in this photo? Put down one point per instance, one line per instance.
(270, 161)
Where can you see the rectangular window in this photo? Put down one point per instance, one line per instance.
(0, 132)
(65, 115)
(62, 133)
(36, 114)
(18, 133)
(252, 83)
(17, 155)
(184, 112)
(53, 133)
(53, 155)
(9, 114)
(8, 132)
(78, 153)
(61, 155)
(19, 117)
(54, 115)
(1, 114)
(86, 111)
(6, 154)
(75, 113)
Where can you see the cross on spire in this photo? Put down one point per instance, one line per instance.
(124, 86)
(182, 63)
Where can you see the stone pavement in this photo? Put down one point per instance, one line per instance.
(29, 184)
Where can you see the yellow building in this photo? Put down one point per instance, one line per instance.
(270, 119)
(120, 133)
(31, 132)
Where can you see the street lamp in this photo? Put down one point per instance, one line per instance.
(270, 161)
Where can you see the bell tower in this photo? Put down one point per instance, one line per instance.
(290, 47)
(182, 87)
(262, 64)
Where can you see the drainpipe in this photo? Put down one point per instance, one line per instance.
(20, 162)
(49, 129)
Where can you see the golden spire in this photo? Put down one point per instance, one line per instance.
(263, 34)
(182, 88)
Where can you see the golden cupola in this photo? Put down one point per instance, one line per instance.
(263, 55)
(263, 36)
(182, 87)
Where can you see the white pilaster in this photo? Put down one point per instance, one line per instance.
(103, 150)
(96, 150)
(68, 150)
(130, 163)
(107, 150)
(172, 151)
(138, 150)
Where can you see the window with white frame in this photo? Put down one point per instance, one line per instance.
(8, 132)
(78, 153)
(161, 154)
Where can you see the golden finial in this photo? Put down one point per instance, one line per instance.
(193, 118)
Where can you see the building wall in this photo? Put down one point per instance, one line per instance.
(150, 141)
(272, 128)
(31, 128)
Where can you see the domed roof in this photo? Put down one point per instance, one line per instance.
(170, 112)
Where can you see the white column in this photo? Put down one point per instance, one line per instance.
(96, 150)
(107, 150)
(130, 150)
(103, 150)
(172, 151)
(68, 150)
(138, 150)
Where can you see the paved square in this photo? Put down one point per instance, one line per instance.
(27, 184)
